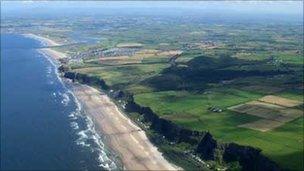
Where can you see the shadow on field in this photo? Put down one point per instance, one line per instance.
(294, 160)
(197, 73)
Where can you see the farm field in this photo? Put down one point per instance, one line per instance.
(194, 73)
(282, 144)
(211, 92)
(274, 112)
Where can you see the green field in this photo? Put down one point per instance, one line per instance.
(225, 61)
(260, 60)
(284, 144)
(190, 109)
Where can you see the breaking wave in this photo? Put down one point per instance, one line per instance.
(74, 125)
(89, 138)
(83, 126)
(65, 100)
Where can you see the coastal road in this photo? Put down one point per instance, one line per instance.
(122, 135)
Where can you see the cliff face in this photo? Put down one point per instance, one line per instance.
(206, 147)
(165, 127)
(249, 158)
(86, 79)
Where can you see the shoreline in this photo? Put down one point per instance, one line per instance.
(49, 43)
(44, 40)
(53, 53)
(121, 134)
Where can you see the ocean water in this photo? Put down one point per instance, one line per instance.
(42, 124)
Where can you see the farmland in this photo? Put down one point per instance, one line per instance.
(202, 79)
(273, 115)
(280, 144)
(199, 90)
(213, 85)
(202, 76)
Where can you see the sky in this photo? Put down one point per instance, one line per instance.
(65, 8)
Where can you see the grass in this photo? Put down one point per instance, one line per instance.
(283, 145)
(289, 57)
(291, 95)
(250, 42)
(124, 74)
(256, 43)
(179, 102)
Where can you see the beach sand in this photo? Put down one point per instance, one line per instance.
(49, 43)
(121, 135)
(53, 53)
(46, 41)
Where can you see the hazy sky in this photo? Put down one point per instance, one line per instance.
(47, 8)
(249, 6)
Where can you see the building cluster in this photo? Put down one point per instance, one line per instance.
(120, 52)
(201, 45)
(215, 109)
(88, 54)
(105, 53)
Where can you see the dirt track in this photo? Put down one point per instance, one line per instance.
(122, 135)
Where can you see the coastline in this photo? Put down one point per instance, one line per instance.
(53, 53)
(44, 40)
(124, 137)
(121, 134)
(49, 43)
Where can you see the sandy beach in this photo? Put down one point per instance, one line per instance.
(50, 43)
(46, 41)
(121, 134)
(125, 138)
(53, 53)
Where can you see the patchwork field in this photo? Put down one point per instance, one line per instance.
(282, 143)
(274, 111)
(280, 101)
(258, 120)
(141, 56)
(240, 80)
(218, 83)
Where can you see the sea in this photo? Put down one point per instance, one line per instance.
(43, 126)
